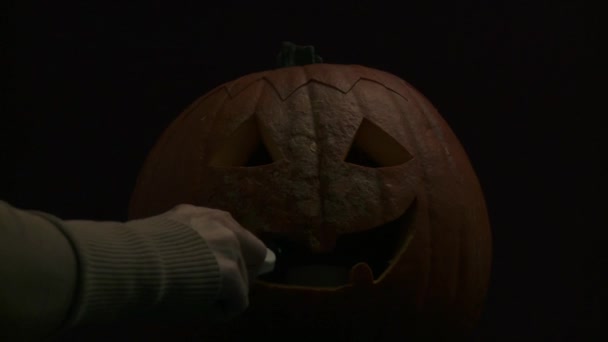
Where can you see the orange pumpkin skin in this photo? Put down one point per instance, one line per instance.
(309, 116)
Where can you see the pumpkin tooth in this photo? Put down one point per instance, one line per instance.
(361, 274)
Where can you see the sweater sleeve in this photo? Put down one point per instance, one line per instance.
(90, 272)
(37, 275)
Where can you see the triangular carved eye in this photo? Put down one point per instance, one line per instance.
(246, 147)
(373, 147)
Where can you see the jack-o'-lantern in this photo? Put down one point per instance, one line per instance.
(359, 186)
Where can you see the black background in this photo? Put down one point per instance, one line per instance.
(92, 85)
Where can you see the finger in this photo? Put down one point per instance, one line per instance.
(253, 249)
(184, 208)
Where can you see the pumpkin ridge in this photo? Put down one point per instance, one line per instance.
(438, 134)
(409, 127)
(395, 108)
(211, 118)
(427, 189)
(439, 129)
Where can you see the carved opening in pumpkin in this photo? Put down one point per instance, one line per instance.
(376, 247)
(248, 146)
(373, 147)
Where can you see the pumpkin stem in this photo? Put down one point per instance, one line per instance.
(292, 54)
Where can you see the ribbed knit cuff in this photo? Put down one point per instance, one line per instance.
(149, 267)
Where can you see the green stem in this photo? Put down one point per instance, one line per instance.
(292, 54)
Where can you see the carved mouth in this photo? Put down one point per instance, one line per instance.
(376, 247)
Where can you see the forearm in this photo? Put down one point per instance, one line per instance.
(141, 267)
(107, 270)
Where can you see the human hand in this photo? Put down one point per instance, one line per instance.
(239, 253)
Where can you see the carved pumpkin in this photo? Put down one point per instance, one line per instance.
(358, 184)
